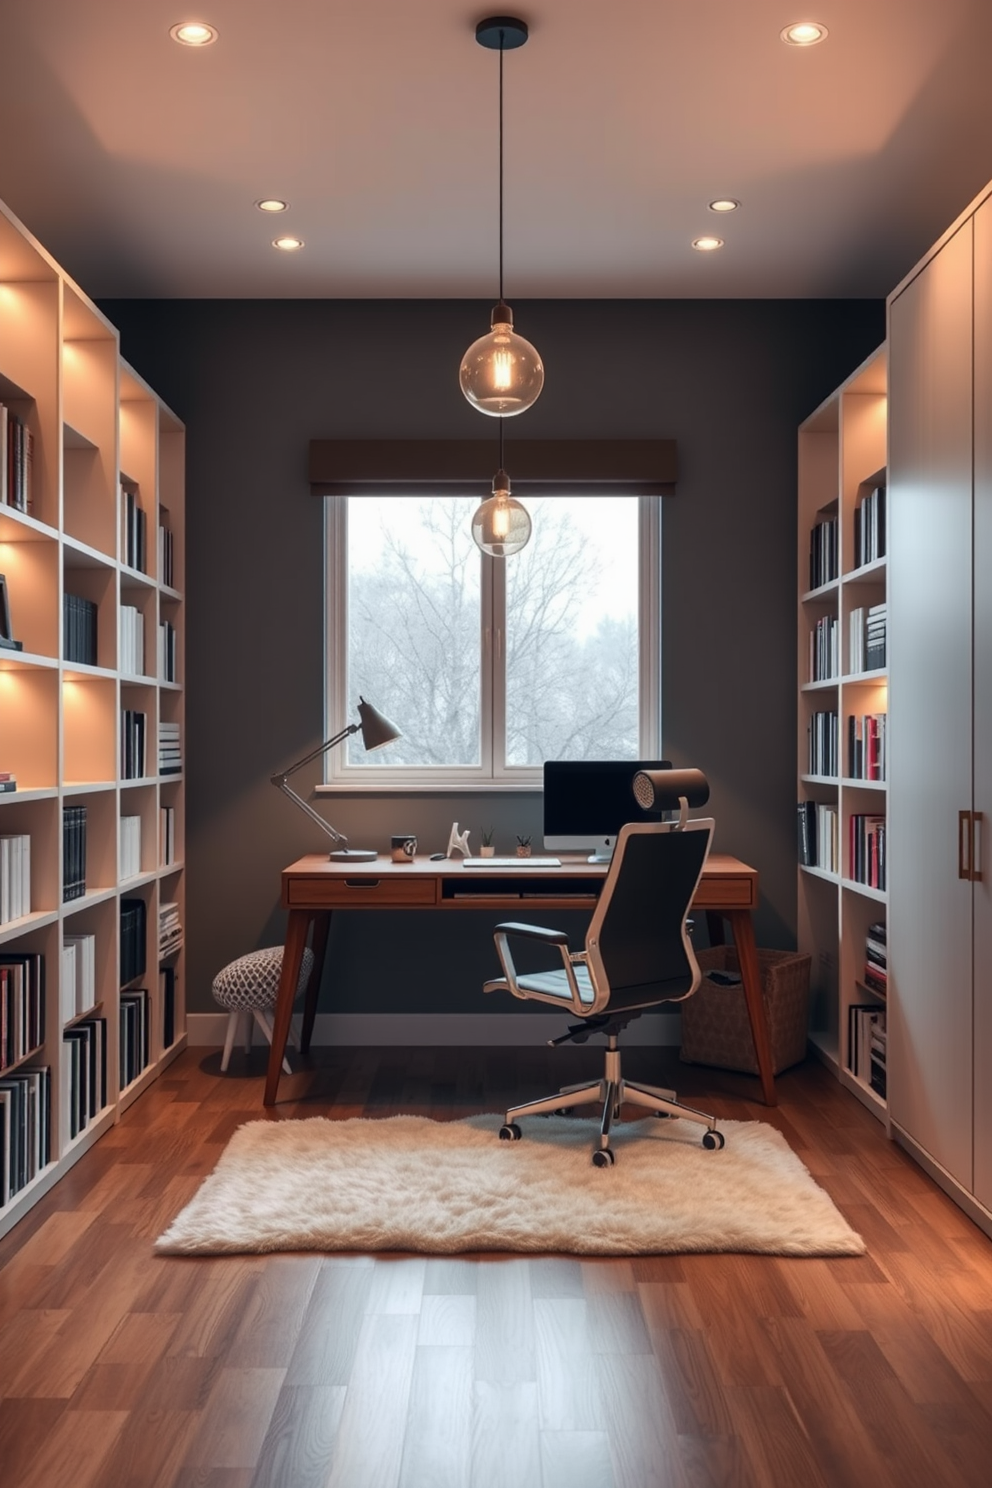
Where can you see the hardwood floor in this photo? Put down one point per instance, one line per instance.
(121, 1369)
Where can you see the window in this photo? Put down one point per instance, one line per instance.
(491, 666)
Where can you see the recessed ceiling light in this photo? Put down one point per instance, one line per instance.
(706, 245)
(288, 245)
(271, 204)
(724, 204)
(804, 33)
(193, 33)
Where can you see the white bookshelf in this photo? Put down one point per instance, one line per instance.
(842, 458)
(97, 430)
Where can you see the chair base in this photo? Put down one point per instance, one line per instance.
(609, 1094)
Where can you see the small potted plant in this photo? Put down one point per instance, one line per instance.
(487, 850)
(523, 847)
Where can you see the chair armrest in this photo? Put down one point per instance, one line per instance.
(534, 932)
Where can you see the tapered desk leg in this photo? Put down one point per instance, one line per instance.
(321, 928)
(747, 958)
(292, 958)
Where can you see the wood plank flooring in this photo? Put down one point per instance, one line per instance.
(120, 1369)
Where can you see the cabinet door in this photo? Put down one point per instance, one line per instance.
(930, 706)
(983, 701)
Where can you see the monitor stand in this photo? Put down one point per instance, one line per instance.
(600, 857)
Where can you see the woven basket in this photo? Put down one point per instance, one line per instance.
(715, 1026)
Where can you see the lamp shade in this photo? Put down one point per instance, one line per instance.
(663, 790)
(377, 731)
(501, 374)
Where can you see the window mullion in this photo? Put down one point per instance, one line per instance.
(498, 669)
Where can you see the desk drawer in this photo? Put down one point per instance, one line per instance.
(724, 893)
(361, 891)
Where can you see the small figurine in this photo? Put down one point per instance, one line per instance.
(458, 841)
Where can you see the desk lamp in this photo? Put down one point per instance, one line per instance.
(376, 731)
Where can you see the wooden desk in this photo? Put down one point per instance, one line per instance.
(313, 888)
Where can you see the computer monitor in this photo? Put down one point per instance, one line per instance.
(586, 802)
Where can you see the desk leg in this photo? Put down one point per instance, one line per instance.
(292, 958)
(747, 957)
(321, 928)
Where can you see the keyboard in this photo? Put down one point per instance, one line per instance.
(513, 862)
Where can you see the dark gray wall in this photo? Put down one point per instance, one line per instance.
(255, 381)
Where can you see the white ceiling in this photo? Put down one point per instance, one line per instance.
(137, 162)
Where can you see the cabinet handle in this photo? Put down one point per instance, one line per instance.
(964, 845)
(978, 827)
(362, 883)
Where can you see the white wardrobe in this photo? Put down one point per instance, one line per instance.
(940, 711)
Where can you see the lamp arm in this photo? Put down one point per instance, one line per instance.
(281, 781)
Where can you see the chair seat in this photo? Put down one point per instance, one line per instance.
(555, 984)
(252, 981)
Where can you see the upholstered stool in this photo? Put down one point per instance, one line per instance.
(247, 987)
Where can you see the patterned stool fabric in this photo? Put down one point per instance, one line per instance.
(247, 987)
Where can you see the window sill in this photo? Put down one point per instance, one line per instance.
(432, 788)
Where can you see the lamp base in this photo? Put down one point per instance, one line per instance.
(353, 855)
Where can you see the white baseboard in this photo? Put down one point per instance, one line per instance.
(467, 1030)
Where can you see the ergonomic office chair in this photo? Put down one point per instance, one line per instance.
(637, 954)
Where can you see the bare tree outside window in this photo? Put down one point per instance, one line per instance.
(568, 669)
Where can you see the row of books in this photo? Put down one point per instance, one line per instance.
(167, 651)
(25, 1128)
(866, 849)
(84, 1075)
(77, 993)
(876, 975)
(170, 930)
(167, 834)
(133, 534)
(866, 639)
(132, 641)
(134, 1034)
(22, 1006)
(79, 634)
(822, 744)
(73, 852)
(8, 782)
(823, 557)
(134, 921)
(166, 558)
(818, 836)
(130, 846)
(866, 1045)
(132, 744)
(15, 877)
(869, 527)
(824, 651)
(16, 461)
(866, 746)
(170, 753)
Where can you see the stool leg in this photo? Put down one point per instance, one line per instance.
(247, 1027)
(233, 1018)
(266, 1028)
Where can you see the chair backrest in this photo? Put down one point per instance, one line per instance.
(638, 947)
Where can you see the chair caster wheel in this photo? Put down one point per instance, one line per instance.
(603, 1157)
(510, 1132)
(713, 1140)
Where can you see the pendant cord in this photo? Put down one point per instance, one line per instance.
(501, 442)
(501, 167)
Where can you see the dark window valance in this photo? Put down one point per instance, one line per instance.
(419, 467)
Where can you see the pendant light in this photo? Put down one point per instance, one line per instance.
(501, 526)
(501, 374)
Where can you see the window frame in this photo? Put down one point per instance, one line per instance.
(489, 775)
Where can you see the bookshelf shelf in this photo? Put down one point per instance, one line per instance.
(841, 719)
(101, 469)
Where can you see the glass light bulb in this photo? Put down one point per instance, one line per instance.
(501, 526)
(501, 374)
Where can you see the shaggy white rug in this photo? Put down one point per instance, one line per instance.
(408, 1183)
